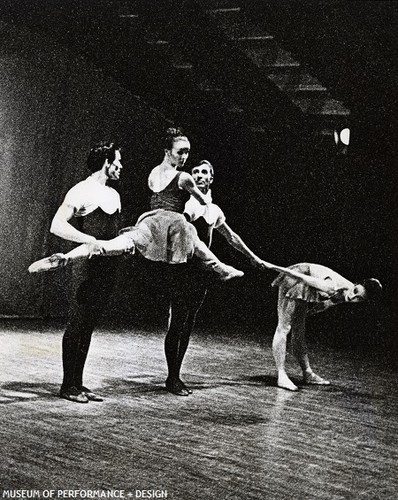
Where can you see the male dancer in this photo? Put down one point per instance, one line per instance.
(306, 289)
(95, 207)
(308, 282)
(188, 296)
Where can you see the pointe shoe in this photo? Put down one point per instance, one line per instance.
(48, 263)
(226, 272)
(91, 396)
(314, 379)
(177, 387)
(73, 394)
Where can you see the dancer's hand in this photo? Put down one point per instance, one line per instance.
(95, 248)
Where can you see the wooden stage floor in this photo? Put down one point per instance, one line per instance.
(237, 437)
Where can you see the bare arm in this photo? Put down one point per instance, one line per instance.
(186, 182)
(236, 242)
(322, 285)
(61, 227)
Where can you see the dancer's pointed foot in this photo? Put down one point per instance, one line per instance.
(285, 383)
(177, 387)
(314, 379)
(51, 263)
(227, 272)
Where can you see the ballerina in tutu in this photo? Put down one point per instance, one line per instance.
(163, 234)
(306, 289)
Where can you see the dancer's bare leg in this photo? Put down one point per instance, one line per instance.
(300, 350)
(105, 248)
(127, 242)
(210, 260)
(286, 318)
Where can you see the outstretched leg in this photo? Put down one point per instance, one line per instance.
(209, 260)
(127, 242)
(104, 248)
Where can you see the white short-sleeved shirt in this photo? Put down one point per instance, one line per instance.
(88, 195)
(212, 213)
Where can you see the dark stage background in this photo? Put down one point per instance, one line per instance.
(291, 195)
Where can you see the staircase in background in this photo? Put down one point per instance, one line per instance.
(211, 64)
(251, 36)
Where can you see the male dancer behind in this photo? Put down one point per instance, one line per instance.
(188, 296)
(95, 207)
(306, 289)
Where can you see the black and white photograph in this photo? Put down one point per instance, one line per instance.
(198, 249)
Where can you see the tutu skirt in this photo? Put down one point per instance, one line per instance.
(294, 289)
(168, 236)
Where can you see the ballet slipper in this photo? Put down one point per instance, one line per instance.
(73, 394)
(91, 396)
(314, 379)
(285, 383)
(48, 263)
(177, 387)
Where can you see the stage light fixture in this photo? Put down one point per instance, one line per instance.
(342, 137)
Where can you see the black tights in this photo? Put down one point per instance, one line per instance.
(75, 346)
(91, 301)
(183, 311)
